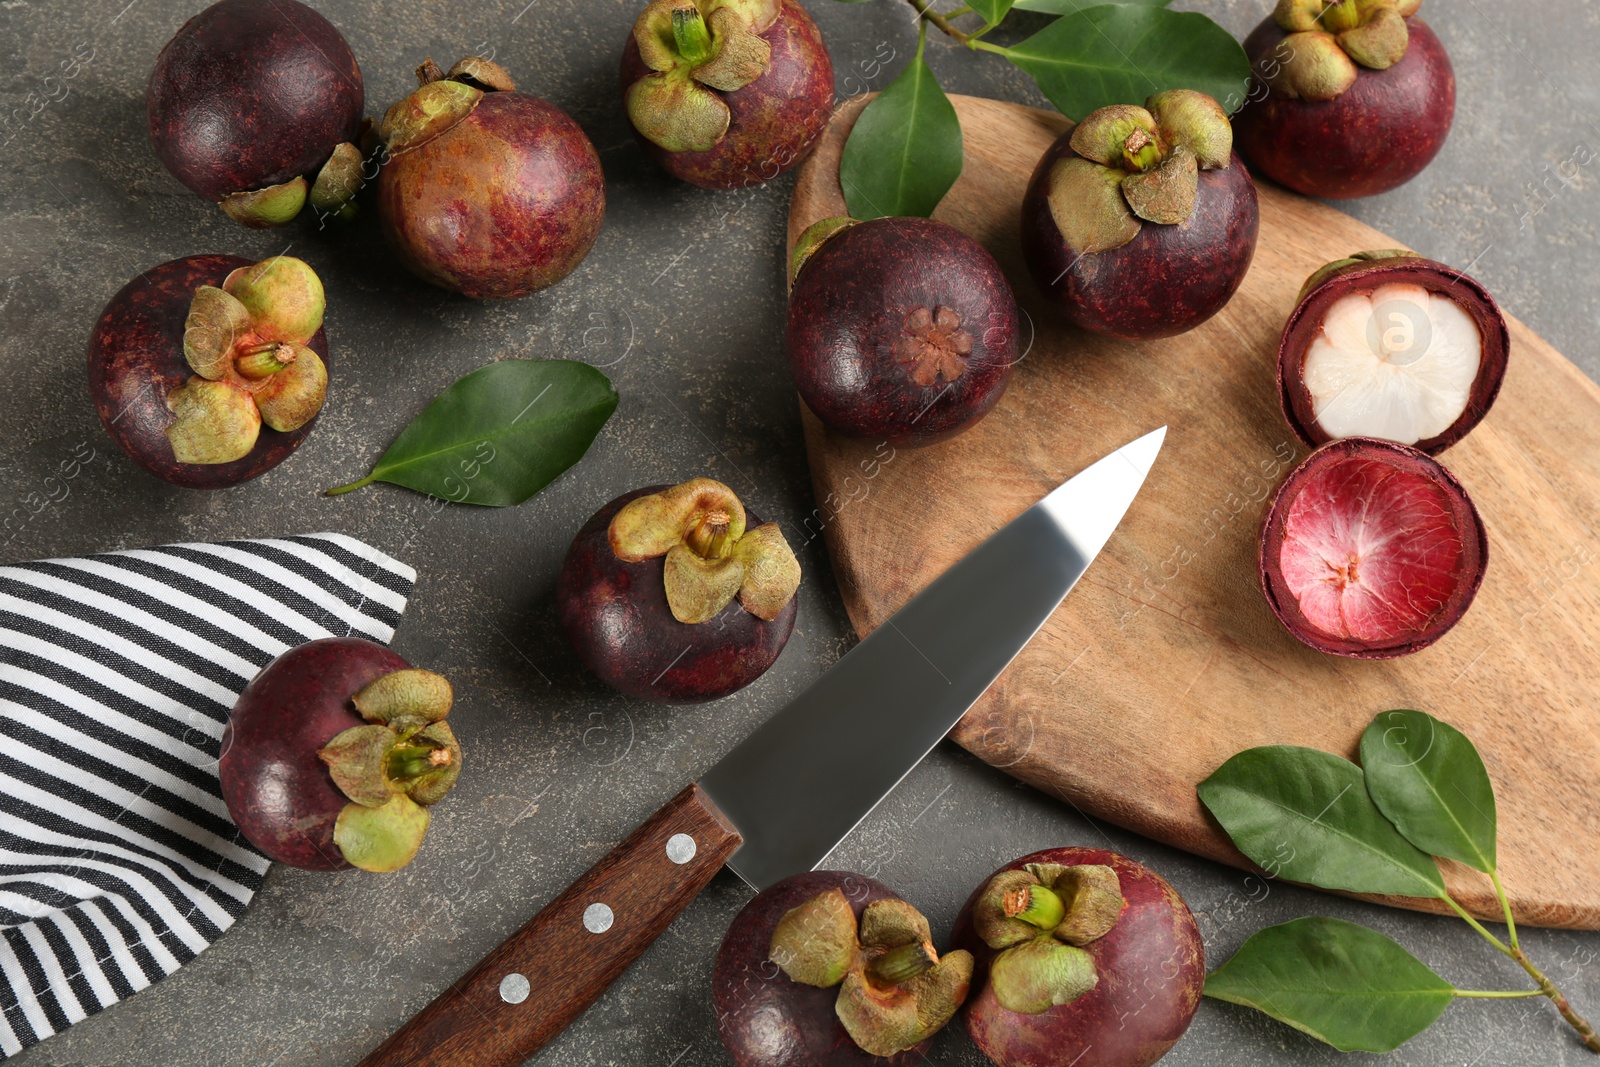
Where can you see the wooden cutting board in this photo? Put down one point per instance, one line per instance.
(1165, 660)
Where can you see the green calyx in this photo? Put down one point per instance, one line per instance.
(1133, 165)
(710, 557)
(1040, 917)
(246, 344)
(895, 990)
(441, 99)
(812, 239)
(1327, 40)
(338, 182)
(1040, 974)
(262, 209)
(696, 49)
(402, 761)
(1355, 260)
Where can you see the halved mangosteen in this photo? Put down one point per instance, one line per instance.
(1371, 549)
(1390, 345)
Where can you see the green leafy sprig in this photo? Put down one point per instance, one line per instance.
(500, 434)
(905, 151)
(1309, 816)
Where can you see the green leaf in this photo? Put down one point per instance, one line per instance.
(1304, 815)
(993, 11)
(1341, 983)
(904, 153)
(1067, 7)
(1428, 779)
(1122, 53)
(500, 434)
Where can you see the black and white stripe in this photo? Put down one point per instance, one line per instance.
(118, 862)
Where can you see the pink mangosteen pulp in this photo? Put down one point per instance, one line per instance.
(1085, 958)
(484, 190)
(677, 593)
(831, 969)
(726, 93)
(1140, 222)
(335, 752)
(901, 330)
(210, 370)
(1371, 549)
(1350, 98)
(256, 105)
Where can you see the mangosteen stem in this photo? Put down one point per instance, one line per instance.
(902, 963)
(709, 538)
(1341, 16)
(1036, 906)
(690, 33)
(264, 360)
(413, 761)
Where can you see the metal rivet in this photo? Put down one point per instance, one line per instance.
(597, 918)
(680, 848)
(514, 988)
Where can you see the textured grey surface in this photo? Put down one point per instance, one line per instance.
(681, 301)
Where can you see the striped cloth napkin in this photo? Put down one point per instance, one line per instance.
(118, 862)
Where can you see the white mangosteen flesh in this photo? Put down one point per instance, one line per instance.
(1397, 363)
(1370, 551)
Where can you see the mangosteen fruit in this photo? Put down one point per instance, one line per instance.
(1388, 344)
(1085, 958)
(256, 105)
(831, 969)
(206, 371)
(484, 190)
(901, 330)
(1371, 549)
(1349, 97)
(1140, 222)
(726, 93)
(677, 593)
(334, 753)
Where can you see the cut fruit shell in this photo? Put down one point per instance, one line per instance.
(1371, 549)
(1391, 346)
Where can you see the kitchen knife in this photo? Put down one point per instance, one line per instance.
(786, 795)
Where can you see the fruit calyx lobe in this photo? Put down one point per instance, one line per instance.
(895, 990)
(1133, 165)
(696, 49)
(710, 557)
(441, 100)
(1328, 40)
(1040, 917)
(403, 760)
(246, 345)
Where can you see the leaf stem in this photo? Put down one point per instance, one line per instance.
(1476, 925)
(1499, 891)
(1499, 994)
(926, 12)
(336, 490)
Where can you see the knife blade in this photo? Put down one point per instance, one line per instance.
(784, 797)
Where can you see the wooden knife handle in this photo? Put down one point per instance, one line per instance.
(526, 991)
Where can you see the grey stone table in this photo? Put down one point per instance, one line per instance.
(681, 302)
